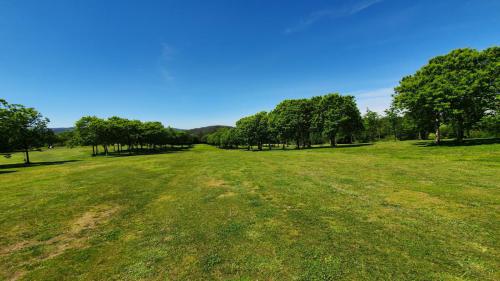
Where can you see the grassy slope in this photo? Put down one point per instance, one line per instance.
(387, 211)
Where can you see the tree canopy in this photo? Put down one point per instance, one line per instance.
(117, 132)
(296, 121)
(21, 128)
(459, 88)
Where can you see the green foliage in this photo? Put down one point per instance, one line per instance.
(303, 121)
(22, 128)
(336, 114)
(293, 120)
(253, 130)
(490, 125)
(458, 89)
(373, 125)
(118, 132)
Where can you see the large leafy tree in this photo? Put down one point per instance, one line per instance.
(87, 132)
(458, 88)
(118, 133)
(22, 128)
(4, 126)
(373, 125)
(246, 130)
(334, 114)
(260, 128)
(351, 121)
(292, 118)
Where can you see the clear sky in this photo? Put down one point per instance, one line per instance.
(196, 63)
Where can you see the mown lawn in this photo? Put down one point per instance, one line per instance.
(389, 211)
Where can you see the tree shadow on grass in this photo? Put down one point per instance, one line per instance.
(146, 152)
(466, 142)
(33, 164)
(293, 148)
(347, 145)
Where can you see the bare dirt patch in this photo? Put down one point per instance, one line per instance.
(215, 183)
(17, 275)
(74, 238)
(421, 201)
(91, 219)
(166, 198)
(226, 195)
(413, 199)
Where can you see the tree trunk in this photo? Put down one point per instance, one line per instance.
(27, 160)
(333, 141)
(298, 144)
(93, 150)
(460, 131)
(460, 135)
(437, 140)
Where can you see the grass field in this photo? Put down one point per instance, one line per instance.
(389, 211)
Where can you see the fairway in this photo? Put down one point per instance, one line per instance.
(391, 210)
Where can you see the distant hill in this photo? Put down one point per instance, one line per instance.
(60, 130)
(202, 131)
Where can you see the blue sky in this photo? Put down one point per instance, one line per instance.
(196, 63)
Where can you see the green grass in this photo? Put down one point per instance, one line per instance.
(389, 211)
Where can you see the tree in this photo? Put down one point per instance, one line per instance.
(292, 119)
(26, 128)
(246, 130)
(351, 122)
(118, 131)
(4, 126)
(86, 132)
(152, 132)
(328, 116)
(333, 114)
(276, 130)
(457, 88)
(260, 128)
(372, 123)
(394, 120)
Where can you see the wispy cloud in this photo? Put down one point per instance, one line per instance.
(376, 100)
(362, 6)
(167, 54)
(317, 16)
(167, 51)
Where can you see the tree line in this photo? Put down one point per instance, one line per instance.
(302, 122)
(453, 96)
(122, 134)
(24, 128)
